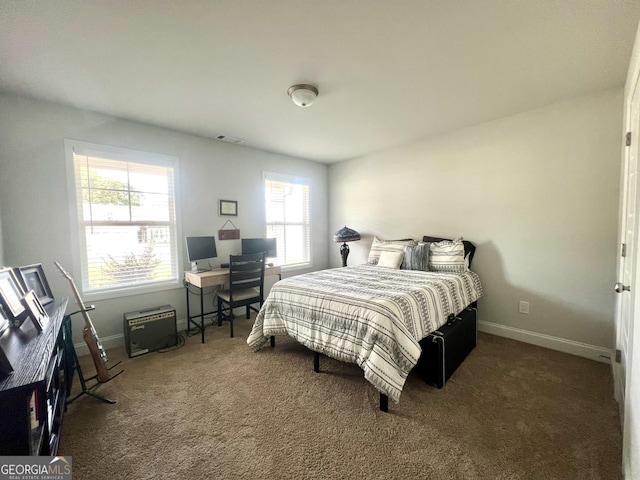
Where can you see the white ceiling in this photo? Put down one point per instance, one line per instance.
(389, 71)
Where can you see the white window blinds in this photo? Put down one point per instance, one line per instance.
(126, 219)
(288, 217)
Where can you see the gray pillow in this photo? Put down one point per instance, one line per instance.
(416, 257)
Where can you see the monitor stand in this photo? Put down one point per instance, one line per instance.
(195, 269)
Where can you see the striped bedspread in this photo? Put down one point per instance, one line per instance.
(368, 315)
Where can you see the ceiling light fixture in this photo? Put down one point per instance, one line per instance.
(302, 94)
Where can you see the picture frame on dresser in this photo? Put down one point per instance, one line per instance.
(32, 277)
(11, 294)
(5, 365)
(35, 310)
(4, 321)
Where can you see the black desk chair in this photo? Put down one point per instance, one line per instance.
(246, 286)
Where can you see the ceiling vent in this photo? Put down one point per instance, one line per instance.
(229, 139)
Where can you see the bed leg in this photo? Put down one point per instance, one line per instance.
(273, 341)
(384, 402)
(316, 362)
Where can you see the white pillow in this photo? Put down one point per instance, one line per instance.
(378, 246)
(448, 256)
(390, 259)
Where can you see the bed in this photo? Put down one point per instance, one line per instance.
(370, 314)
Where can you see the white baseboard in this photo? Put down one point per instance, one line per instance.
(182, 324)
(112, 341)
(547, 341)
(554, 343)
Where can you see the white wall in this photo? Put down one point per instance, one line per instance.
(35, 210)
(536, 192)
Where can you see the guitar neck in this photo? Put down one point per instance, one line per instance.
(90, 336)
(76, 294)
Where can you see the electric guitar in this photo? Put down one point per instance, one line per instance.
(89, 334)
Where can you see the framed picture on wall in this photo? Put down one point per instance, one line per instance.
(32, 278)
(11, 294)
(228, 208)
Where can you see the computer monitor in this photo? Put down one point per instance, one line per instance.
(200, 248)
(258, 245)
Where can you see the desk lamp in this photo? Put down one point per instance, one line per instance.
(345, 235)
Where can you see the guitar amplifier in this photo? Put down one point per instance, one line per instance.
(150, 330)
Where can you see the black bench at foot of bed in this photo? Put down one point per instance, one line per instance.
(445, 349)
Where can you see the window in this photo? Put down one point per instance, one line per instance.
(287, 217)
(125, 218)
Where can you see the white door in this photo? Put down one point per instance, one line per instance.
(627, 258)
(627, 371)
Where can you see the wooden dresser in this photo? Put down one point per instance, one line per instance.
(33, 396)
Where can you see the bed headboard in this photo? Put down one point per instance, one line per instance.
(469, 248)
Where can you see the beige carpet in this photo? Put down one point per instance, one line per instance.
(220, 411)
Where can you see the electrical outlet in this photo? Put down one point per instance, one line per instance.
(523, 307)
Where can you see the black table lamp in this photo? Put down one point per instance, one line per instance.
(345, 235)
